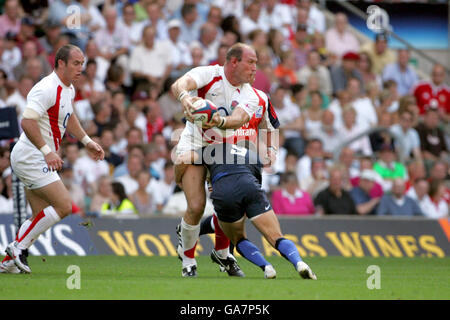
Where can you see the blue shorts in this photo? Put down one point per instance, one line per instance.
(237, 195)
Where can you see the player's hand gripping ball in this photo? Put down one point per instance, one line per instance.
(204, 111)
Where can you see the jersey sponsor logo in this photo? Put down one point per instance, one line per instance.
(259, 112)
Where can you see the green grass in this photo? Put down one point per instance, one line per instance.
(113, 277)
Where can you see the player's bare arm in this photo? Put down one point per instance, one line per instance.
(31, 128)
(237, 119)
(180, 89)
(75, 129)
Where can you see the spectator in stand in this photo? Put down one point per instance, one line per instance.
(250, 20)
(347, 161)
(379, 53)
(300, 45)
(133, 150)
(222, 56)
(119, 204)
(105, 70)
(128, 22)
(154, 121)
(106, 141)
(156, 19)
(327, 59)
(6, 202)
(164, 188)
(366, 116)
(190, 23)
(328, 134)
(334, 199)
(130, 180)
(340, 74)
(52, 34)
(285, 71)
(29, 53)
(365, 68)
(313, 149)
(400, 71)
(338, 104)
(208, 41)
(171, 105)
(10, 19)
(3, 91)
(112, 40)
(102, 116)
(350, 129)
(397, 203)
(317, 180)
(432, 139)
(434, 93)
(142, 200)
(290, 199)
(440, 171)
(406, 138)
(18, 98)
(315, 68)
(437, 195)
(93, 86)
(150, 62)
(366, 163)
(290, 121)
(388, 168)
(419, 193)
(275, 15)
(87, 170)
(316, 19)
(416, 171)
(181, 58)
(196, 55)
(338, 39)
(365, 203)
(312, 116)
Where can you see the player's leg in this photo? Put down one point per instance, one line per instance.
(47, 210)
(207, 226)
(269, 226)
(193, 184)
(236, 233)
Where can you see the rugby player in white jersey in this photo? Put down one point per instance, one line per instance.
(229, 89)
(35, 158)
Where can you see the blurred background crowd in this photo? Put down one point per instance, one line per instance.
(361, 132)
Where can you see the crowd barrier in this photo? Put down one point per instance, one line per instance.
(314, 236)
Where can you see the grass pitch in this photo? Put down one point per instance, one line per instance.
(113, 277)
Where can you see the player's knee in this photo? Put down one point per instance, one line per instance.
(64, 209)
(196, 207)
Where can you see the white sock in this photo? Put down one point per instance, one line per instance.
(189, 238)
(41, 223)
(23, 228)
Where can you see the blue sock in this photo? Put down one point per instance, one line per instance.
(251, 252)
(288, 250)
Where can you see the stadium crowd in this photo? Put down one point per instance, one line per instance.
(327, 89)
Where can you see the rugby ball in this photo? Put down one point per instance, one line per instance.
(203, 112)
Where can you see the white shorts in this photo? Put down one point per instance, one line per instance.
(29, 165)
(192, 138)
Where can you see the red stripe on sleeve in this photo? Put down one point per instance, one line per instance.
(204, 90)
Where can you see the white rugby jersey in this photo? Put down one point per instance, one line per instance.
(52, 100)
(213, 85)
